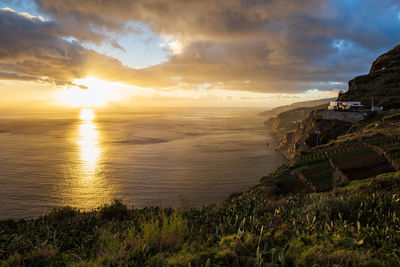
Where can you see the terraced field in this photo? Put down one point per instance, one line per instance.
(352, 159)
(378, 140)
(319, 174)
(366, 165)
(388, 146)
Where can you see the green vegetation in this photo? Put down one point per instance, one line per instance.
(357, 225)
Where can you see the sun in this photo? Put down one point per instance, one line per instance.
(98, 93)
(86, 114)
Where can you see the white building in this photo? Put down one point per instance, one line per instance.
(378, 109)
(345, 105)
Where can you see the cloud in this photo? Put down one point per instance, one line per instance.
(258, 45)
(30, 49)
(193, 19)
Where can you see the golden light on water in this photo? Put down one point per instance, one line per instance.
(88, 143)
(88, 188)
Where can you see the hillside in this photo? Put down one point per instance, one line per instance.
(365, 152)
(356, 225)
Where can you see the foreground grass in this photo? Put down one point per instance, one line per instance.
(356, 225)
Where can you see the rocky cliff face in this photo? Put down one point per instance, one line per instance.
(286, 121)
(382, 83)
(314, 130)
(283, 126)
(294, 134)
(295, 128)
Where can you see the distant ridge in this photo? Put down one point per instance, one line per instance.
(304, 104)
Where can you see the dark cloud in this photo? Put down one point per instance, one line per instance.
(259, 45)
(30, 49)
(208, 18)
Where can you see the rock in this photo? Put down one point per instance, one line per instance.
(387, 61)
(290, 128)
(382, 83)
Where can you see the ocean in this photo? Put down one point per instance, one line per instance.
(170, 158)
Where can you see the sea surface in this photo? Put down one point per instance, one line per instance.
(178, 158)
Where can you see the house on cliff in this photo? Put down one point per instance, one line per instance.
(350, 111)
(345, 105)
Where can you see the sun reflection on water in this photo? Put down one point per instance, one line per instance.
(88, 187)
(88, 141)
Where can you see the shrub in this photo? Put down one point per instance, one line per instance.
(42, 254)
(115, 211)
(173, 230)
(329, 209)
(166, 233)
(386, 181)
(322, 256)
(13, 260)
(62, 214)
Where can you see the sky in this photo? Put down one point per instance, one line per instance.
(255, 53)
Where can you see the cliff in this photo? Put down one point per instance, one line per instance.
(382, 83)
(286, 121)
(284, 125)
(311, 132)
(291, 127)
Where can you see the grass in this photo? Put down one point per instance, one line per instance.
(354, 225)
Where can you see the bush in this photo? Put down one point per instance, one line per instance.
(165, 234)
(385, 181)
(115, 211)
(41, 255)
(62, 214)
(329, 209)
